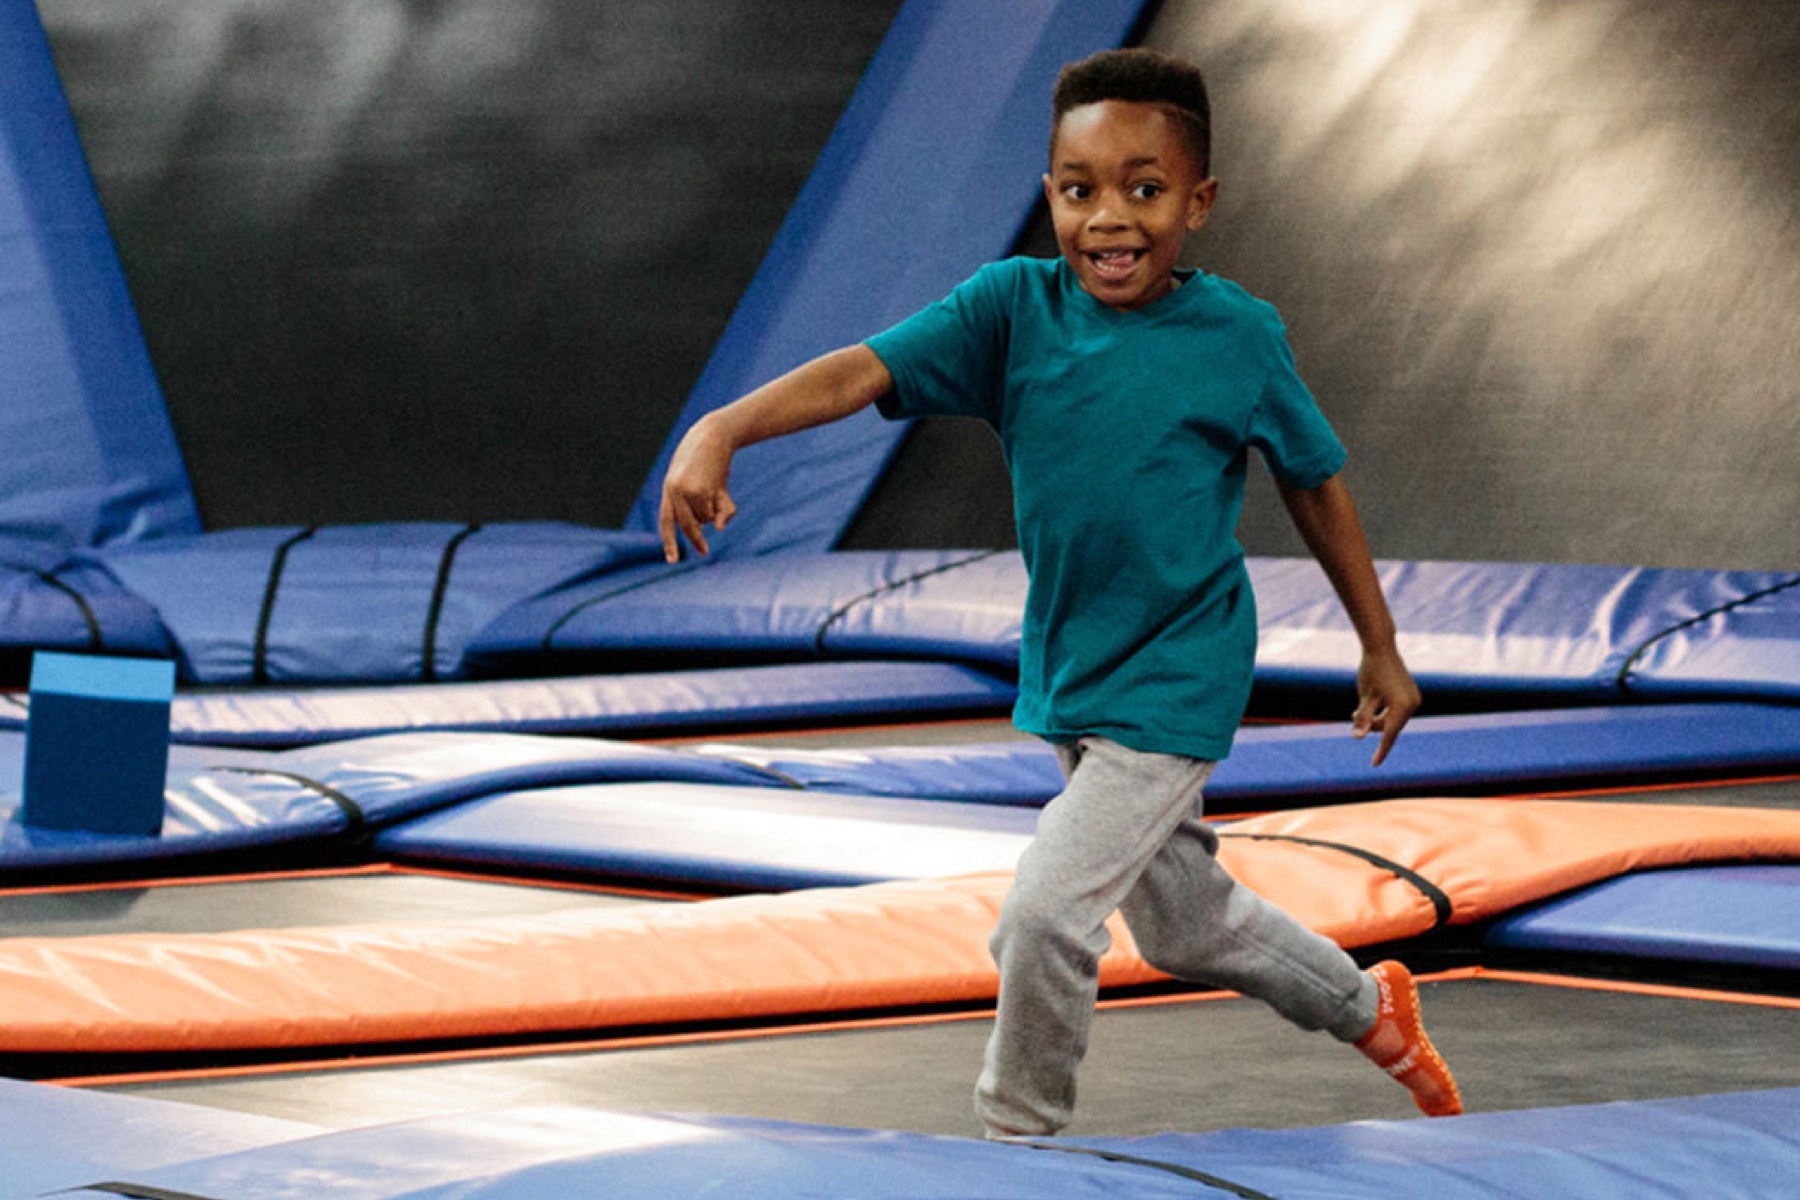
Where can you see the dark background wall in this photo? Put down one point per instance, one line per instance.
(1539, 260)
(444, 259)
(464, 258)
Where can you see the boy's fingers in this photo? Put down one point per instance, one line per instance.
(1389, 735)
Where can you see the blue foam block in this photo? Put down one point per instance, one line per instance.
(1740, 916)
(97, 744)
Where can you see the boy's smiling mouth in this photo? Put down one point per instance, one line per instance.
(1114, 264)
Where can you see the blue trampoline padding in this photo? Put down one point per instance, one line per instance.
(90, 455)
(55, 1138)
(48, 602)
(1320, 763)
(1729, 1147)
(965, 86)
(955, 604)
(360, 603)
(660, 702)
(1585, 634)
(1740, 916)
(1741, 1145)
(1513, 632)
(223, 801)
(1749, 647)
(751, 838)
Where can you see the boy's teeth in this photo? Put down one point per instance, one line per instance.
(1115, 263)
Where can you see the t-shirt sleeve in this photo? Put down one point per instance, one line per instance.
(948, 358)
(1293, 436)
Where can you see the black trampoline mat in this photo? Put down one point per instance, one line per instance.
(282, 902)
(1192, 1065)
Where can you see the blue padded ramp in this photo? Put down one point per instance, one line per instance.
(1731, 1147)
(965, 86)
(90, 454)
(1319, 763)
(746, 838)
(226, 801)
(1739, 916)
(363, 603)
(609, 704)
(53, 1138)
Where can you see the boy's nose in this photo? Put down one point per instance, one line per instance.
(1106, 215)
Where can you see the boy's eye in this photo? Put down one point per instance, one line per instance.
(1147, 191)
(1076, 191)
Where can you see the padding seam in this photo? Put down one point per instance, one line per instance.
(1112, 1156)
(356, 820)
(843, 609)
(1623, 679)
(259, 661)
(439, 589)
(137, 1191)
(1441, 903)
(96, 641)
(556, 626)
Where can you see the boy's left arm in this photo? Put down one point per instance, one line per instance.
(1327, 520)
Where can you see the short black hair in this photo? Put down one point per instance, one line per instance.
(1140, 76)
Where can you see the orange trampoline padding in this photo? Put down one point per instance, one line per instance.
(1361, 874)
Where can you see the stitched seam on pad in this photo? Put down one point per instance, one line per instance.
(1212, 1181)
(843, 610)
(96, 641)
(259, 659)
(1441, 903)
(1623, 679)
(439, 589)
(356, 819)
(556, 626)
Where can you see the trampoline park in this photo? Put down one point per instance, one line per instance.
(490, 855)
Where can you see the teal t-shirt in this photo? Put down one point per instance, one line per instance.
(1126, 434)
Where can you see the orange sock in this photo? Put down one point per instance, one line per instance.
(1398, 1045)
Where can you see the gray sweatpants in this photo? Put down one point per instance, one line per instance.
(1126, 834)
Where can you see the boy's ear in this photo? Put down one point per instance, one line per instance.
(1201, 202)
(1049, 189)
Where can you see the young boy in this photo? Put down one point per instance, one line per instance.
(1126, 392)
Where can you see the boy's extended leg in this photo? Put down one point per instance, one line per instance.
(1092, 843)
(1193, 921)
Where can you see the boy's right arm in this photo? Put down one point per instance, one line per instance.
(829, 388)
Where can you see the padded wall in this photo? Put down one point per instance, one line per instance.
(90, 457)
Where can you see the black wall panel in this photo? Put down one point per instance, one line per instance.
(444, 259)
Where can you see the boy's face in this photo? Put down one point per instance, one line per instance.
(1124, 193)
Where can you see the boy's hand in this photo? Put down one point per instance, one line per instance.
(1387, 698)
(694, 491)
